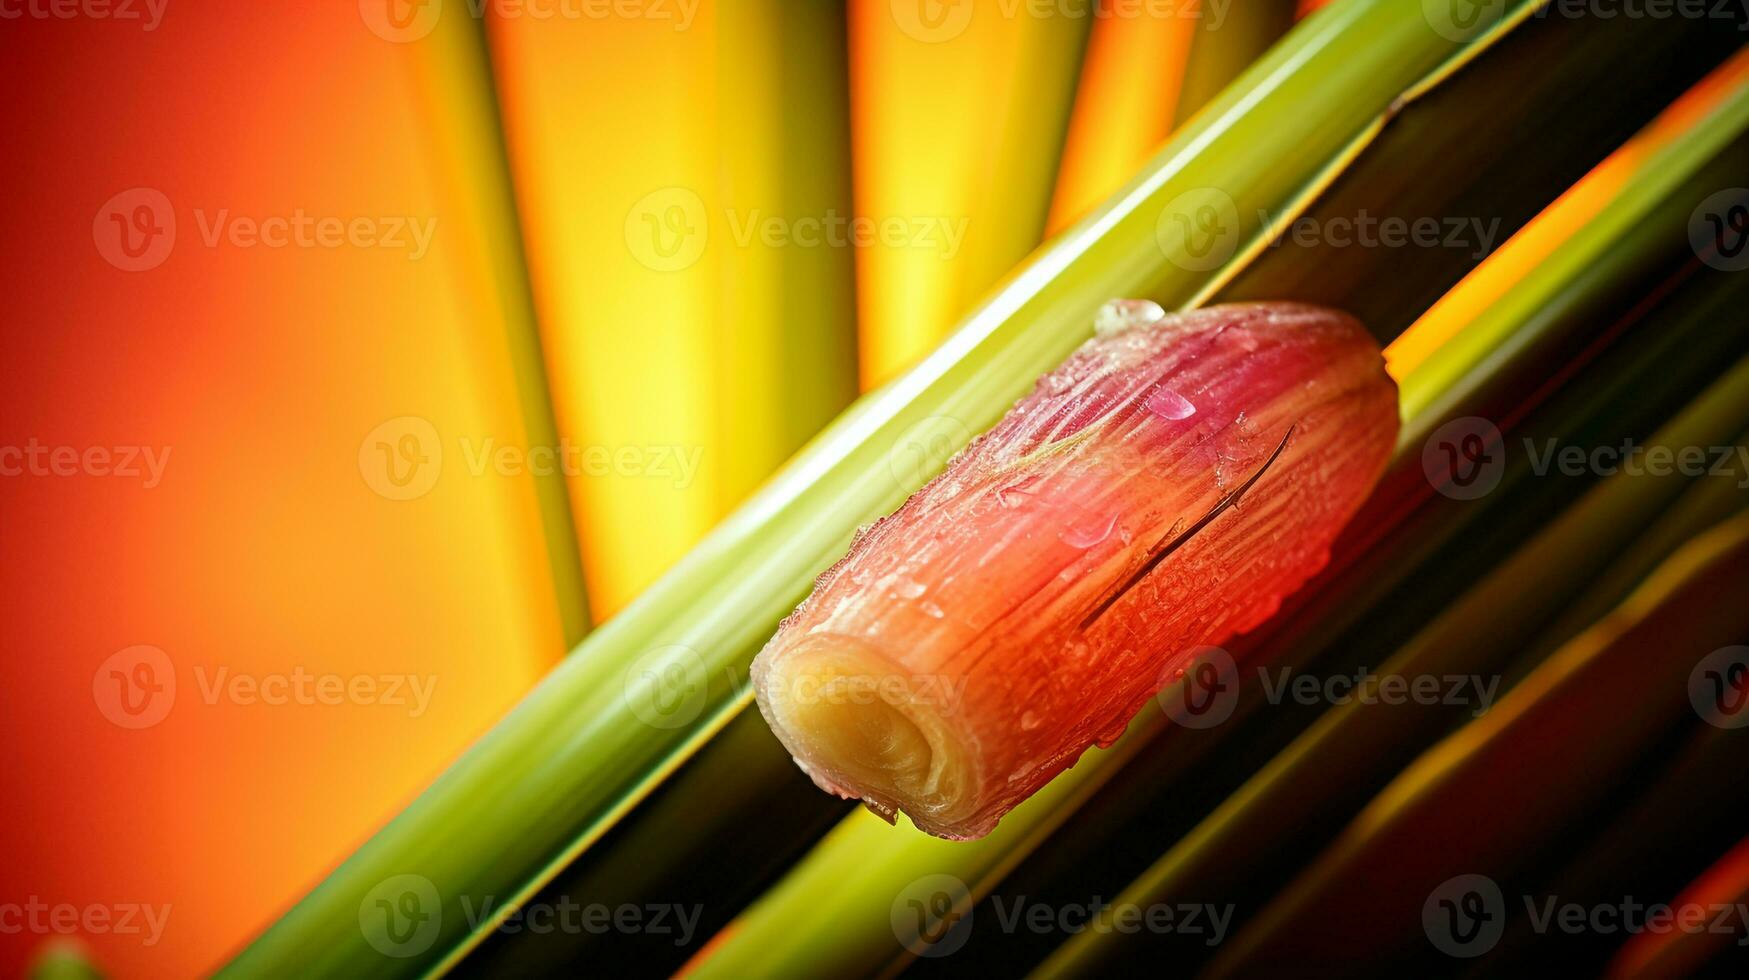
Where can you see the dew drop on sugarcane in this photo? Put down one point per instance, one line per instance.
(1239, 338)
(931, 610)
(1029, 721)
(1170, 405)
(1086, 534)
(907, 588)
(1121, 315)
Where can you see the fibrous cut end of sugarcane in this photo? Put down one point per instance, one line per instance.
(1162, 490)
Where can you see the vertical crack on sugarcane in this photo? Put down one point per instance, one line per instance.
(1168, 547)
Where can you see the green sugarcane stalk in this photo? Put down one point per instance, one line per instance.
(467, 134)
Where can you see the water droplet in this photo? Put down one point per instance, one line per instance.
(1169, 404)
(931, 610)
(1029, 721)
(1240, 337)
(1121, 315)
(1089, 533)
(907, 588)
(1011, 496)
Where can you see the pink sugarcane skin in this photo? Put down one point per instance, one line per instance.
(1007, 586)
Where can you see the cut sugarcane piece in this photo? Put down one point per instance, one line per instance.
(1160, 491)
